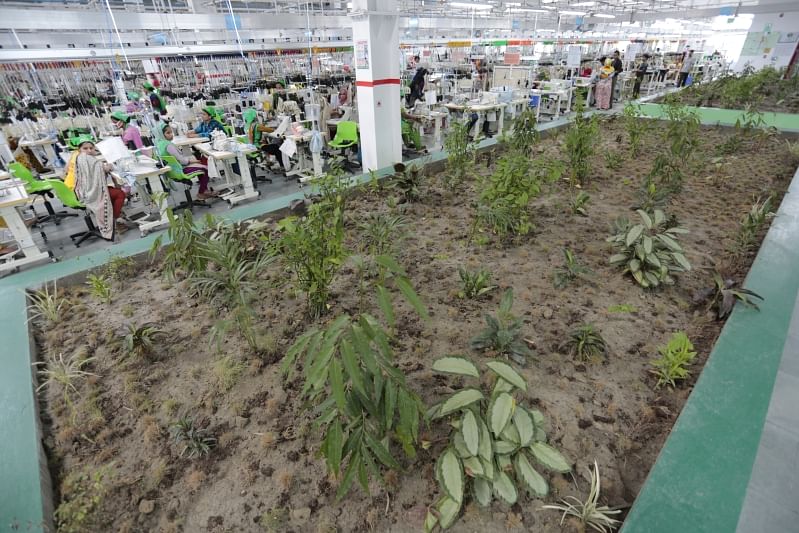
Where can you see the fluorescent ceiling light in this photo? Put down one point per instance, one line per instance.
(583, 4)
(525, 10)
(349, 5)
(577, 13)
(548, 1)
(513, 4)
(469, 5)
(604, 16)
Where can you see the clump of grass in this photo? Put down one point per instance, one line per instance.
(196, 442)
(586, 343)
(228, 371)
(474, 284)
(589, 513)
(99, 287)
(46, 305)
(63, 373)
(120, 268)
(139, 341)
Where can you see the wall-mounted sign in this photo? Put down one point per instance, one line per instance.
(362, 54)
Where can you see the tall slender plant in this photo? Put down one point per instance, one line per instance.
(580, 140)
(460, 153)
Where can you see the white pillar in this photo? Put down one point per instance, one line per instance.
(376, 40)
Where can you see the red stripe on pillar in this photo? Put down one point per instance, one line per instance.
(386, 81)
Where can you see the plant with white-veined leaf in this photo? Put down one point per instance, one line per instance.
(474, 284)
(493, 445)
(46, 305)
(649, 251)
(589, 513)
(58, 371)
(362, 402)
(503, 333)
(570, 271)
(674, 360)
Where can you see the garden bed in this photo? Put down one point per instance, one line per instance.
(264, 473)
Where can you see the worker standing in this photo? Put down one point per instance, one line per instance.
(156, 100)
(685, 69)
(617, 68)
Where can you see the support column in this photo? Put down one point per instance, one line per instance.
(376, 41)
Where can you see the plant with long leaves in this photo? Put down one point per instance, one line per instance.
(99, 287)
(474, 284)
(634, 125)
(45, 304)
(503, 333)
(570, 271)
(675, 356)
(196, 442)
(589, 512)
(723, 295)
(580, 140)
(649, 251)
(408, 181)
(525, 134)
(586, 343)
(180, 255)
(493, 445)
(139, 341)
(460, 153)
(58, 371)
(751, 224)
(362, 401)
(512, 186)
(652, 196)
(383, 232)
(578, 203)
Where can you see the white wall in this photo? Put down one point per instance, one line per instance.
(780, 53)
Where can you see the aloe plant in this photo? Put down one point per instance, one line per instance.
(649, 251)
(494, 445)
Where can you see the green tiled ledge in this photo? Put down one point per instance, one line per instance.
(786, 122)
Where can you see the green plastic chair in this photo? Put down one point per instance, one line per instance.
(69, 199)
(346, 135)
(176, 174)
(41, 188)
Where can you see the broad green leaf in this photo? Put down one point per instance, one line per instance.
(451, 475)
(409, 293)
(459, 400)
(511, 434)
(506, 372)
(504, 488)
(485, 448)
(525, 426)
(506, 302)
(673, 245)
(471, 433)
(456, 365)
(505, 447)
(390, 264)
(633, 234)
(660, 217)
(645, 217)
(448, 511)
(648, 242)
(390, 404)
(681, 260)
(363, 478)
(530, 477)
(334, 444)
(351, 366)
(488, 469)
(460, 444)
(384, 301)
(501, 386)
(500, 411)
(349, 476)
(473, 467)
(678, 231)
(481, 489)
(380, 451)
(549, 457)
(618, 258)
(635, 265)
(538, 417)
(430, 522)
(337, 384)
(503, 462)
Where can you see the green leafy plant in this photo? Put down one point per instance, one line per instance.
(648, 251)
(579, 202)
(580, 140)
(589, 513)
(180, 255)
(622, 308)
(751, 224)
(724, 294)
(672, 365)
(46, 305)
(652, 196)
(407, 181)
(196, 442)
(497, 217)
(503, 333)
(139, 341)
(493, 444)
(525, 134)
(82, 493)
(586, 343)
(682, 142)
(99, 287)
(634, 125)
(362, 401)
(570, 271)
(120, 268)
(460, 153)
(59, 372)
(613, 159)
(313, 246)
(511, 187)
(474, 284)
(383, 233)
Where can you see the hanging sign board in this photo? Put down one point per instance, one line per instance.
(512, 58)
(362, 54)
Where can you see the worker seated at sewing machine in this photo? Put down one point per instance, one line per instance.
(267, 144)
(208, 123)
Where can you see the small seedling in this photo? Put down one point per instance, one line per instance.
(578, 204)
(589, 513)
(139, 341)
(570, 271)
(100, 287)
(503, 334)
(474, 284)
(672, 365)
(622, 308)
(196, 441)
(228, 371)
(586, 343)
